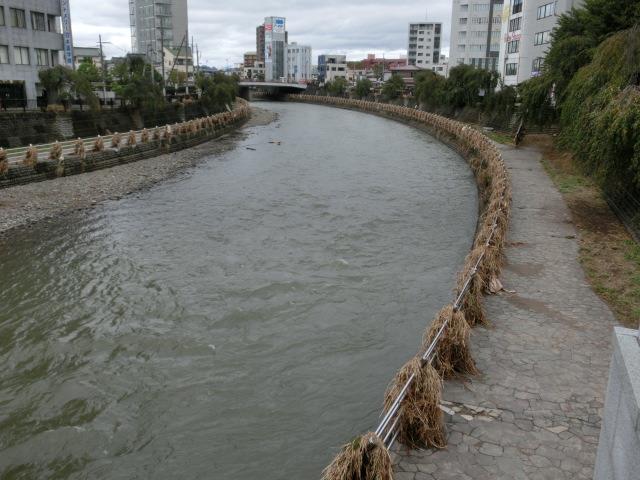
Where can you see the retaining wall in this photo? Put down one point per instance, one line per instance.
(185, 135)
(619, 448)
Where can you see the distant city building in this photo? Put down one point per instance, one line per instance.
(425, 42)
(331, 67)
(475, 33)
(260, 43)
(298, 63)
(526, 34)
(30, 39)
(408, 74)
(255, 72)
(275, 48)
(81, 54)
(207, 71)
(178, 60)
(156, 24)
(249, 59)
(443, 66)
(372, 62)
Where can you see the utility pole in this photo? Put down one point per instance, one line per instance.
(186, 41)
(104, 70)
(164, 80)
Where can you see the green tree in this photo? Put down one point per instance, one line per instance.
(431, 89)
(470, 86)
(218, 91)
(177, 78)
(88, 71)
(338, 87)
(137, 82)
(363, 88)
(393, 87)
(58, 83)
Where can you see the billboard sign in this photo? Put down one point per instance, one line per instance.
(67, 36)
(268, 40)
(278, 25)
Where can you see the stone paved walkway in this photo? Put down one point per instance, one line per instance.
(544, 361)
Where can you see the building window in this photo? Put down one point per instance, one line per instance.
(513, 47)
(464, 8)
(17, 18)
(517, 6)
(515, 24)
(511, 69)
(462, 34)
(481, 7)
(463, 21)
(2, 23)
(42, 57)
(547, 10)
(462, 47)
(38, 21)
(537, 65)
(4, 54)
(542, 37)
(21, 55)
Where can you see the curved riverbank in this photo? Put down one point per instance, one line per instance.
(23, 205)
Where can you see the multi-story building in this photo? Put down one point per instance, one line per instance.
(331, 67)
(82, 54)
(526, 34)
(260, 43)
(298, 63)
(424, 44)
(250, 58)
(158, 24)
(275, 49)
(372, 62)
(475, 33)
(30, 40)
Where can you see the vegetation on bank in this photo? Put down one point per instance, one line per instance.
(136, 83)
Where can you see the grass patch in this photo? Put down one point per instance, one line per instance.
(608, 254)
(499, 137)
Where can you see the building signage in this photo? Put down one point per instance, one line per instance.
(67, 36)
(278, 25)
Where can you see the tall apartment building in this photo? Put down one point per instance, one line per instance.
(158, 24)
(30, 39)
(475, 33)
(275, 48)
(250, 58)
(298, 63)
(424, 44)
(331, 67)
(260, 43)
(526, 34)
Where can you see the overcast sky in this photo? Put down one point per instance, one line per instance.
(225, 30)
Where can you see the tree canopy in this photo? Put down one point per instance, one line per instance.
(363, 88)
(138, 83)
(217, 91)
(393, 88)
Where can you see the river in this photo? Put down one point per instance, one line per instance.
(239, 321)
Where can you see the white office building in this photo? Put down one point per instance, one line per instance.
(298, 63)
(425, 41)
(331, 67)
(526, 34)
(475, 33)
(30, 40)
(158, 24)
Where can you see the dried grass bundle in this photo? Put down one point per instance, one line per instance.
(4, 163)
(156, 134)
(78, 149)
(452, 356)
(116, 139)
(421, 424)
(131, 139)
(365, 458)
(60, 167)
(31, 156)
(98, 145)
(144, 136)
(56, 151)
(472, 305)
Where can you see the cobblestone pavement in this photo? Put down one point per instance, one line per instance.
(534, 412)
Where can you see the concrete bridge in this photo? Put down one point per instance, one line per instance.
(269, 89)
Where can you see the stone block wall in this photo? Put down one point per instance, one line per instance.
(619, 447)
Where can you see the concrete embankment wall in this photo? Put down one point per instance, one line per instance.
(183, 135)
(619, 448)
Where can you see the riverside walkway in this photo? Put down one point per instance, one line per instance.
(534, 412)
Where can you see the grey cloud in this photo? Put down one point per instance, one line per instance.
(225, 30)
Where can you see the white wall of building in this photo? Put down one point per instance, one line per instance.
(331, 67)
(425, 43)
(298, 63)
(30, 46)
(526, 34)
(475, 33)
